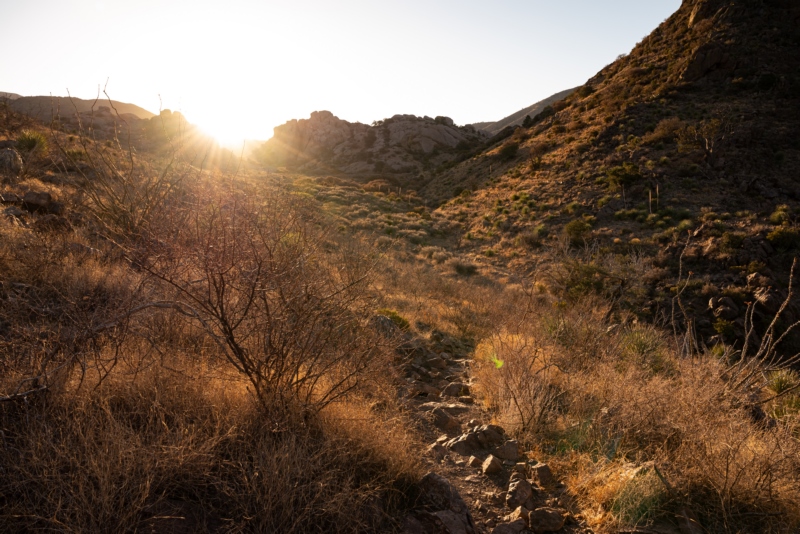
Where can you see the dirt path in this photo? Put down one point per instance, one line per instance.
(494, 486)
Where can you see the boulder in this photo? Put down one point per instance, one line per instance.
(41, 202)
(10, 162)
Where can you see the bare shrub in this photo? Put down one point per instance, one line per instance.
(286, 306)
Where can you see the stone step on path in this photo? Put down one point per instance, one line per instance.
(480, 480)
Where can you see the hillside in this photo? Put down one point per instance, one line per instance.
(44, 107)
(696, 129)
(515, 119)
(10, 96)
(583, 325)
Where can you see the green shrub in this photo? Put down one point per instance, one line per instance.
(782, 380)
(640, 499)
(724, 328)
(464, 268)
(731, 241)
(397, 319)
(31, 141)
(780, 215)
(623, 175)
(508, 151)
(784, 238)
(576, 230)
(77, 155)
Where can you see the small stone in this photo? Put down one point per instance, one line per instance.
(688, 522)
(541, 474)
(519, 513)
(436, 363)
(455, 389)
(491, 466)
(13, 212)
(445, 421)
(489, 435)
(466, 400)
(437, 451)
(514, 527)
(473, 423)
(452, 409)
(546, 520)
(519, 493)
(508, 451)
(465, 444)
(474, 462)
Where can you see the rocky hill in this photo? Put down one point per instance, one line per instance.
(516, 119)
(696, 130)
(402, 144)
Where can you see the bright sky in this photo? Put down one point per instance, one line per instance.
(238, 68)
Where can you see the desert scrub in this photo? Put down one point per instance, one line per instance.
(780, 215)
(463, 267)
(784, 238)
(31, 141)
(400, 321)
(577, 230)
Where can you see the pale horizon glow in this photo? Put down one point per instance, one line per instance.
(239, 68)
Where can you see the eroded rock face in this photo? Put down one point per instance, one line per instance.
(403, 143)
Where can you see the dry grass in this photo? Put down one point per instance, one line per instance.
(636, 431)
(171, 453)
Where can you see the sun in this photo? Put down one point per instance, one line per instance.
(228, 129)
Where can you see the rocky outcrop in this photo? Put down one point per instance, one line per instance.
(400, 144)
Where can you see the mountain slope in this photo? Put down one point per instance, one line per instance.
(515, 119)
(44, 107)
(698, 128)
